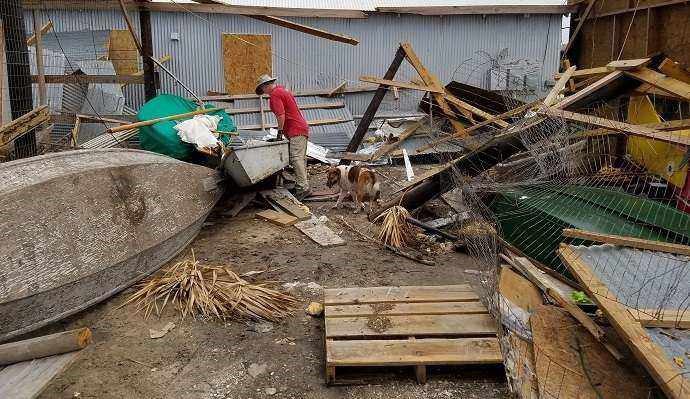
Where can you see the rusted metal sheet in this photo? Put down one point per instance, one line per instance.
(77, 227)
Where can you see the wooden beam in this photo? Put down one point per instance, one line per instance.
(337, 89)
(431, 80)
(583, 18)
(373, 106)
(638, 8)
(404, 85)
(652, 318)
(479, 9)
(661, 81)
(44, 29)
(552, 97)
(68, 118)
(150, 122)
(239, 111)
(631, 242)
(605, 81)
(24, 123)
(674, 70)
(296, 93)
(586, 73)
(472, 128)
(476, 111)
(130, 26)
(316, 122)
(626, 65)
(306, 29)
(85, 79)
(40, 69)
(680, 124)
(150, 89)
(387, 148)
(666, 374)
(196, 8)
(635, 130)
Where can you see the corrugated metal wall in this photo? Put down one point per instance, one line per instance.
(454, 47)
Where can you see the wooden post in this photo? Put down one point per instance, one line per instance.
(261, 110)
(47, 345)
(40, 69)
(369, 114)
(147, 53)
(18, 71)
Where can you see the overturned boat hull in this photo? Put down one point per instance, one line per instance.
(79, 226)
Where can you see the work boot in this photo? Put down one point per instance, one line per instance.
(302, 194)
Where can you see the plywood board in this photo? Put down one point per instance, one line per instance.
(405, 352)
(319, 232)
(282, 200)
(28, 379)
(123, 53)
(277, 218)
(413, 325)
(245, 58)
(409, 294)
(559, 341)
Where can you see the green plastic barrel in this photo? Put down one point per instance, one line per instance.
(162, 138)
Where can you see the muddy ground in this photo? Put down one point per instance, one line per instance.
(212, 359)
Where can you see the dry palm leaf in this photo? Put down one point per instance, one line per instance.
(210, 292)
(395, 230)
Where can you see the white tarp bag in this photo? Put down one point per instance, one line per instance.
(199, 131)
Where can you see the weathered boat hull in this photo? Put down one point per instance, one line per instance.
(78, 227)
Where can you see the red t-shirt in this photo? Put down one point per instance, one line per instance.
(282, 102)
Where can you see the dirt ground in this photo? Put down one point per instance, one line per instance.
(212, 359)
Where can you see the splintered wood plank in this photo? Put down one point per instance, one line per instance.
(664, 371)
(661, 81)
(667, 318)
(281, 199)
(413, 325)
(430, 351)
(552, 97)
(403, 309)
(28, 379)
(410, 294)
(277, 218)
(558, 344)
(625, 65)
(319, 232)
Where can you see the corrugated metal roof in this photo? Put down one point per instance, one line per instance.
(335, 136)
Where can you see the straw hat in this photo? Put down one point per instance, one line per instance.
(263, 80)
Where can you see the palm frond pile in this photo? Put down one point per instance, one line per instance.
(395, 230)
(211, 292)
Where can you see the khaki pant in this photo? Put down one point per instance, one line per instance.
(298, 160)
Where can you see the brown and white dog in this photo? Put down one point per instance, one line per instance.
(359, 182)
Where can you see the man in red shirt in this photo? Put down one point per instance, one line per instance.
(291, 124)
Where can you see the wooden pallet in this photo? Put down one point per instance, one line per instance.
(407, 326)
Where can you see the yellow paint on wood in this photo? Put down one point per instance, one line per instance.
(245, 58)
(656, 156)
